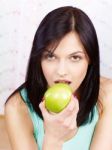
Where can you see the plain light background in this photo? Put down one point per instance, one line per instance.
(19, 20)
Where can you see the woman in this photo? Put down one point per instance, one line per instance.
(65, 49)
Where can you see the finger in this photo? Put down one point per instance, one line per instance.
(73, 125)
(70, 108)
(43, 109)
(74, 130)
(76, 104)
(71, 118)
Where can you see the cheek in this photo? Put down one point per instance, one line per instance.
(82, 70)
(47, 71)
(79, 74)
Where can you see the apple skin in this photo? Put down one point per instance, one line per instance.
(57, 97)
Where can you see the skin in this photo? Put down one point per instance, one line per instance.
(68, 62)
(62, 126)
(104, 126)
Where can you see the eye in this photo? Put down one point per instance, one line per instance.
(76, 58)
(49, 56)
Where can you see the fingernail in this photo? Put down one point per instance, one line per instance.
(42, 99)
(75, 97)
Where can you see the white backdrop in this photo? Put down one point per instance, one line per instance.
(18, 22)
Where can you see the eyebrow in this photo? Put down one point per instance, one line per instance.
(74, 53)
(83, 52)
(48, 51)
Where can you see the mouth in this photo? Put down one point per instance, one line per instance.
(63, 81)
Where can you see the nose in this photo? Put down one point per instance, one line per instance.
(62, 68)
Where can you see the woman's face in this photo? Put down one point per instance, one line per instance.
(67, 64)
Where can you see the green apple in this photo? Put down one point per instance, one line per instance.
(57, 97)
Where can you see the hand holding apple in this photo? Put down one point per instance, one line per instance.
(63, 126)
(57, 97)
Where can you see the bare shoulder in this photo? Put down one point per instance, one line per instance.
(105, 86)
(105, 81)
(105, 94)
(14, 103)
(15, 109)
(19, 124)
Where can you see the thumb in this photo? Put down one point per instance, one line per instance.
(43, 109)
(76, 103)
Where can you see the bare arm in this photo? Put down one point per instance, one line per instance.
(20, 128)
(102, 138)
(59, 127)
(103, 134)
(19, 125)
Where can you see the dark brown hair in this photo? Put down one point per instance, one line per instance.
(53, 28)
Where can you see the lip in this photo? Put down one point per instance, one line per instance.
(63, 81)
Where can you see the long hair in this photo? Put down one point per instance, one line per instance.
(51, 30)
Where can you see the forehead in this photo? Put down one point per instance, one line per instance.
(70, 43)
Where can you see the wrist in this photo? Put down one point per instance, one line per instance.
(50, 143)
